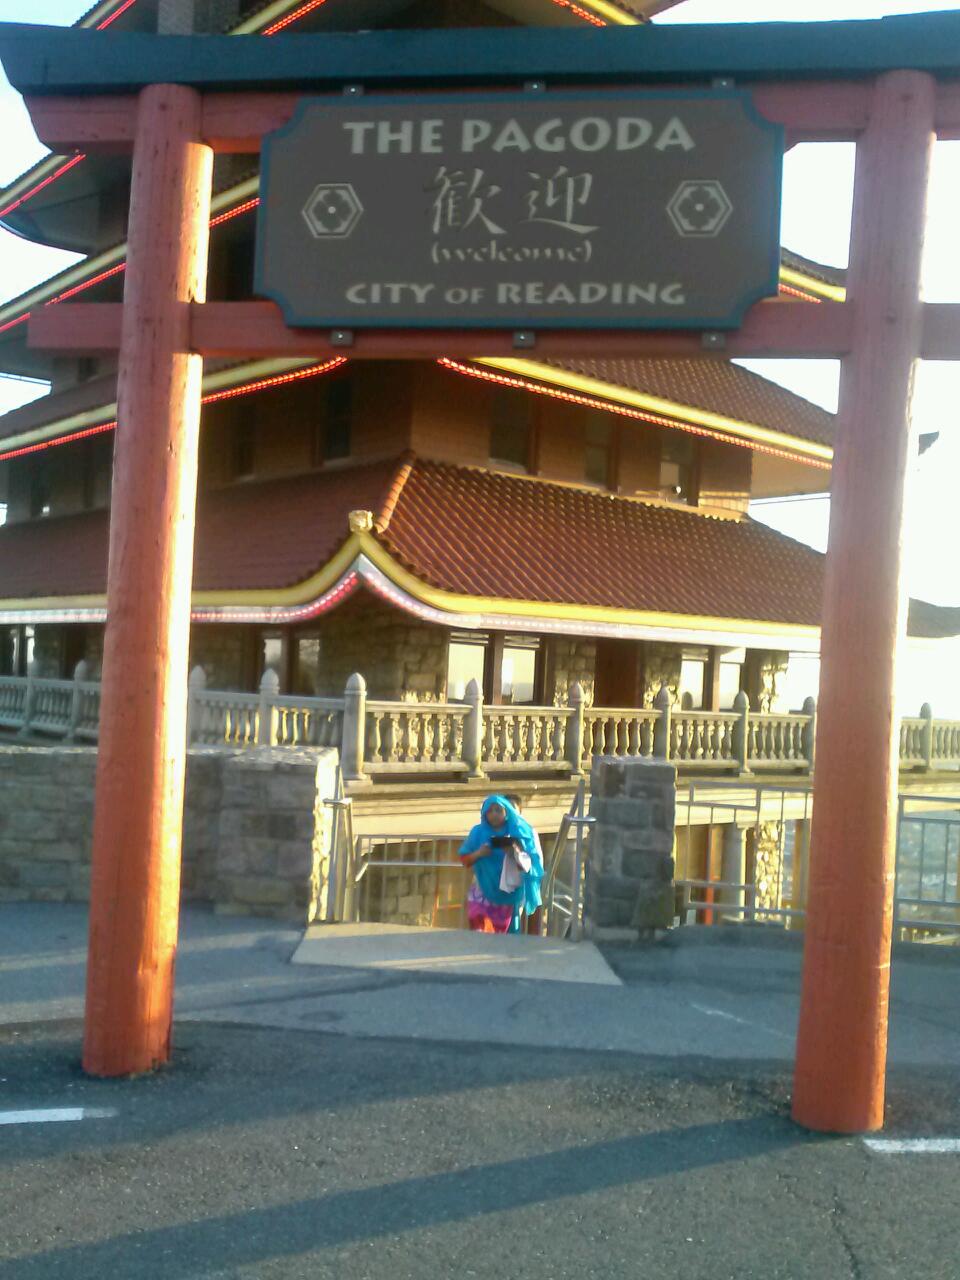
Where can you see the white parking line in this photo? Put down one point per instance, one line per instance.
(53, 1115)
(914, 1146)
(730, 1017)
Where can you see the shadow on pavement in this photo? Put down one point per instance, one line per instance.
(374, 1212)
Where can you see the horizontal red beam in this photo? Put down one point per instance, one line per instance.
(248, 329)
(236, 122)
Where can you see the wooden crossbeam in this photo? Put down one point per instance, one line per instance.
(247, 329)
(774, 328)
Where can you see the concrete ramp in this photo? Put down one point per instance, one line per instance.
(456, 952)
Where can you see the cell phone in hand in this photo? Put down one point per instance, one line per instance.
(501, 842)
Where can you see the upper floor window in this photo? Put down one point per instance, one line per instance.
(598, 461)
(244, 452)
(677, 466)
(40, 490)
(332, 433)
(511, 427)
(97, 468)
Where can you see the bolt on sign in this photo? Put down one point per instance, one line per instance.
(627, 210)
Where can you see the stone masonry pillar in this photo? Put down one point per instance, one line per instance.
(629, 889)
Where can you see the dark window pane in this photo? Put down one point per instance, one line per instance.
(676, 464)
(39, 490)
(98, 463)
(244, 445)
(510, 427)
(596, 464)
(307, 674)
(333, 437)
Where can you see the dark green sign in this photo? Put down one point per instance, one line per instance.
(526, 211)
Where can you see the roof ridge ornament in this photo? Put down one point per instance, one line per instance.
(361, 521)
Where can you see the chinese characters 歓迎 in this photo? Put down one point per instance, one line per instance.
(463, 197)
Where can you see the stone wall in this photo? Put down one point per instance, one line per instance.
(256, 833)
(399, 657)
(629, 885)
(274, 833)
(574, 661)
(222, 651)
(661, 666)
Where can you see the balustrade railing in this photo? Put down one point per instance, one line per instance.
(518, 737)
(619, 731)
(704, 738)
(378, 738)
(414, 735)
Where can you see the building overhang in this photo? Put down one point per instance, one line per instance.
(362, 562)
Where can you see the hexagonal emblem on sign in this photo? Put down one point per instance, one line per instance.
(699, 208)
(332, 211)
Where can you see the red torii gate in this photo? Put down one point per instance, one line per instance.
(878, 86)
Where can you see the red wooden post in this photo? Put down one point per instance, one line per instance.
(134, 906)
(842, 1039)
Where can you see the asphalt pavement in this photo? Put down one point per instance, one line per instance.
(335, 1122)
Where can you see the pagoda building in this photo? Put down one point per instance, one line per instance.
(528, 523)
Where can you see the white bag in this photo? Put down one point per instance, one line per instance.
(511, 876)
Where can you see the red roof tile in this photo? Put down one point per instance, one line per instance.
(718, 386)
(480, 533)
(257, 535)
(469, 531)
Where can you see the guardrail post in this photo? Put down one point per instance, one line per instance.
(80, 673)
(661, 730)
(809, 738)
(473, 731)
(267, 720)
(741, 732)
(354, 728)
(574, 735)
(29, 699)
(196, 683)
(926, 735)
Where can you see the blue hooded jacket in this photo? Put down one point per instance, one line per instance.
(488, 870)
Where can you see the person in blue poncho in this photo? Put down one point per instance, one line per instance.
(507, 868)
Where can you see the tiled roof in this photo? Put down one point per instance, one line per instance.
(483, 533)
(717, 386)
(469, 531)
(259, 535)
(818, 270)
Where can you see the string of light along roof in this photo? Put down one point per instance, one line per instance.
(624, 411)
(122, 266)
(213, 397)
(282, 24)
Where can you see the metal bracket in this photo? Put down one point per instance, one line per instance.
(713, 341)
(524, 338)
(341, 337)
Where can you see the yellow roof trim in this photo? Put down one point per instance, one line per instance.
(446, 601)
(610, 13)
(99, 13)
(218, 380)
(799, 279)
(749, 431)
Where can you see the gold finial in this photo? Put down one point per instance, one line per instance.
(361, 521)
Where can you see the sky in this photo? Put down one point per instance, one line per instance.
(818, 181)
